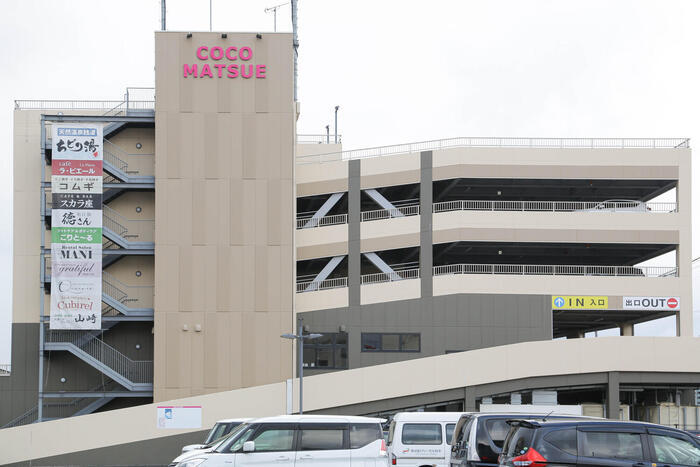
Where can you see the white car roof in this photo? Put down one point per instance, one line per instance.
(428, 416)
(317, 419)
(232, 420)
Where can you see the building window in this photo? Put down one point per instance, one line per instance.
(328, 352)
(390, 342)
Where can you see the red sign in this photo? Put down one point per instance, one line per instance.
(672, 303)
(76, 167)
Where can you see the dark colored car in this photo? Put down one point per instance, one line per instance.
(479, 437)
(609, 443)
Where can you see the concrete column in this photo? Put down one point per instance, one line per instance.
(426, 224)
(469, 399)
(354, 219)
(684, 258)
(613, 395)
(627, 329)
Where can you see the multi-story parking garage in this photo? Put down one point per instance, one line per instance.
(219, 228)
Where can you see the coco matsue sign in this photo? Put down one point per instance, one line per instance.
(219, 62)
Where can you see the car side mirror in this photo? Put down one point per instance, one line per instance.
(249, 446)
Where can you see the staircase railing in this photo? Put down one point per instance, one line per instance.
(140, 230)
(136, 371)
(132, 296)
(110, 151)
(130, 164)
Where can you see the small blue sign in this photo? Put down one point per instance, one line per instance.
(169, 414)
(559, 302)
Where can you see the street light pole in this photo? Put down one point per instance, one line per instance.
(336, 123)
(299, 336)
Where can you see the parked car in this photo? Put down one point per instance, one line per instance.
(321, 440)
(597, 442)
(479, 437)
(619, 205)
(192, 454)
(219, 430)
(421, 438)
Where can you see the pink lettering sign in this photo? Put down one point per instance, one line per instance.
(209, 69)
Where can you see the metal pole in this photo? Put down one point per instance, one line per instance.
(209, 15)
(300, 360)
(295, 44)
(40, 398)
(162, 15)
(328, 134)
(336, 123)
(275, 13)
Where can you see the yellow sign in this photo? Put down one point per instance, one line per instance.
(579, 302)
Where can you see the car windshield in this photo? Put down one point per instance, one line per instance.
(216, 432)
(224, 444)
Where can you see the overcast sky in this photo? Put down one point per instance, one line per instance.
(400, 70)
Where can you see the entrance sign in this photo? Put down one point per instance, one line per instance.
(173, 416)
(579, 302)
(652, 303)
(76, 226)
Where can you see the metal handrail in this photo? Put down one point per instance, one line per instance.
(380, 277)
(403, 211)
(136, 371)
(555, 206)
(48, 104)
(318, 139)
(125, 227)
(308, 222)
(335, 283)
(506, 142)
(556, 270)
(121, 292)
(111, 158)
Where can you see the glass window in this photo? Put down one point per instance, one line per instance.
(421, 433)
(274, 439)
(329, 351)
(245, 433)
(497, 430)
(672, 450)
(449, 432)
(564, 440)
(520, 441)
(219, 430)
(320, 439)
(612, 445)
(390, 342)
(361, 434)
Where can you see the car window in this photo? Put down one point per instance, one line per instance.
(236, 442)
(497, 430)
(320, 439)
(612, 445)
(219, 430)
(421, 433)
(361, 434)
(519, 441)
(449, 432)
(273, 438)
(464, 426)
(564, 440)
(669, 449)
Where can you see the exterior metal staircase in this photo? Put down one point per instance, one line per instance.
(116, 230)
(134, 375)
(115, 162)
(126, 299)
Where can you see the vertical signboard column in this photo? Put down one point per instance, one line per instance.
(76, 226)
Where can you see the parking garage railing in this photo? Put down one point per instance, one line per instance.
(556, 270)
(307, 222)
(311, 286)
(555, 206)
(380, 277)
(318, 139)
(403, 211)
(478, 142)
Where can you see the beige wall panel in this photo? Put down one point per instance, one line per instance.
(262, 279)
(273, 291)
(128, 137)
(558, 285)
(322, 172)
(312, 149)
(318, 188)
(517, 170)
(390, 243)
(167, 278)
(26, 294)
(390, 291)
(195, 376)
(322, 299)
(126, 205)
(552, 235)
(390, 227)
(27, 229)
(389, 179)
(322, 251)
(556, 220)
(391, 164)
(125, 270)
(317, 236)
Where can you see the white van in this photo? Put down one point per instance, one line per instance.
(218, 431)
(421, 439)
(298, 440)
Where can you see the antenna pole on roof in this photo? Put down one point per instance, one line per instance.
(162, 15)
(295, 44)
